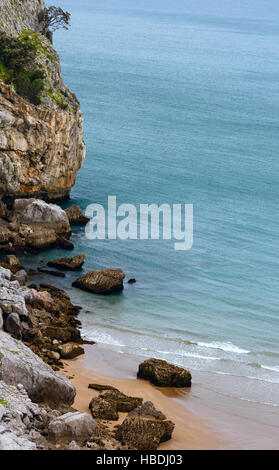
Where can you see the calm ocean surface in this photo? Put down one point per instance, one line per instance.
(181, 101)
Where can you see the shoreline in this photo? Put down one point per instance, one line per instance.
(191, 432)
(200, 422)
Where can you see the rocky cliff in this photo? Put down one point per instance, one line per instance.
(41, 145)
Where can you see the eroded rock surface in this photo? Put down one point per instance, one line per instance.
(144, 428)
(18, 364)
(104, 281)
(41, 146)
(163, 374)
(71, 264)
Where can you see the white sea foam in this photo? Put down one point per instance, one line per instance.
(229, 347)
(273, 368)
(186, 354)
(101, 337)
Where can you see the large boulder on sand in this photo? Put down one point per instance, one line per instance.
(76, 216)
(163, 374)
(144, 428)
(109, 403)
(105, 281)
(18, 364)
(71, 264)
(72, 426)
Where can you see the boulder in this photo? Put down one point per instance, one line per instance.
(21, 277)
(75, 216)
(39, 212)
(12, 262)
(109, 403)
(78, 427)
(144, 428)
(18, 364)
(103, 409)
(163, 374)
(71, 264)
(1, 319)
(101, 388)
(124, 403)
(70, 351)
(104, 281)
(13, 325)
(64, 243)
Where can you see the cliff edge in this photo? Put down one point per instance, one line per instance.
(41, 125)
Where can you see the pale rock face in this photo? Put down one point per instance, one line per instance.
(41, 147)
(72, 426)
(20, 365)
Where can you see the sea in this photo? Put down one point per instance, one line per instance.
(181, 106)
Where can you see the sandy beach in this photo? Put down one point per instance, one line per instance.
(190, 433)
(211, 423)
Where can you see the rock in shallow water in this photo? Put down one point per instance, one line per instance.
(71, 264)
(163, 374)
(104, 281)
(75, 216)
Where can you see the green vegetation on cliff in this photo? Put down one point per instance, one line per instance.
(17, 58)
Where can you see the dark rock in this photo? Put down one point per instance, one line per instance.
(75, 216)
(101, 388)
(132, 281)
(163, 374)
(103, 409)
(21, 276)
(71, 264)
(105, 281)
(13, 325)
(64, 243)
(144, 428)
(70, 351)
(107, 405)
(124, 403)
(51, 273)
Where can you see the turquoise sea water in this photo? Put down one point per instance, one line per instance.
(180, 101)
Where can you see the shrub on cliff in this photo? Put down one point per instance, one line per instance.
(17, 56)
(53, 18)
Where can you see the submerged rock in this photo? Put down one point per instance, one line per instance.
(75, 216)
(163, 374)
(105, 281)
(71, 264)
(144, 428)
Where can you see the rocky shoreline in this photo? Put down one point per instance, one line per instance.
(39, 329)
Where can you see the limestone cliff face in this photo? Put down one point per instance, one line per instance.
(41, 146)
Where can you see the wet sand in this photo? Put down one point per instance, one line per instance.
(191, 432)
(203, 419)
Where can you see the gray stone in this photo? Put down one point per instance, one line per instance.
(13, 325)
(72, 426)
(1, 319)
(20, 365)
